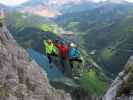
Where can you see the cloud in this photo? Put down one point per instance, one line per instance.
(98, 0)
(12, 2)
(17, 2)
(130, 0)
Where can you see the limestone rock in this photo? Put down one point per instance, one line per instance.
(122, 87)
(21, 78)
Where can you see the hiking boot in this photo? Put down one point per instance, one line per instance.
(76, 77)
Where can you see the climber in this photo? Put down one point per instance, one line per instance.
(74, 54)
(50, 50)
(63, 52)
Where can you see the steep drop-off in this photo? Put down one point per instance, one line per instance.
(122, 87)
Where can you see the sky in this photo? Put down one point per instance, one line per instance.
(12, 2)
(18, 2)
(130, 0)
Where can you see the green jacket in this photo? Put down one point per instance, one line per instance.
(49, 49)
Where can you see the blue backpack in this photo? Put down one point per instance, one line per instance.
(73, 53)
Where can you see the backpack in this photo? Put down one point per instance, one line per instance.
(74, 53)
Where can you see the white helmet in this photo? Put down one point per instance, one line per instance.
(72, 45)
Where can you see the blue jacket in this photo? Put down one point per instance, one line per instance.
(73, 53)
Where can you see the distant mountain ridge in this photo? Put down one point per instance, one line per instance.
(53, 8)
(37, 7)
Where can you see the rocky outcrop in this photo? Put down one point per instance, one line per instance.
(20, 77)
(122, 87)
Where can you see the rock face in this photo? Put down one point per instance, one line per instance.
(122, 87)
(20, 77)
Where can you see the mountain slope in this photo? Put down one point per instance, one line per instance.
(21, 77)
(106, 30)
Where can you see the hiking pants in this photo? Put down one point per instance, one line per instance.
(74, 59)
(50, 57)
(62, 62)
